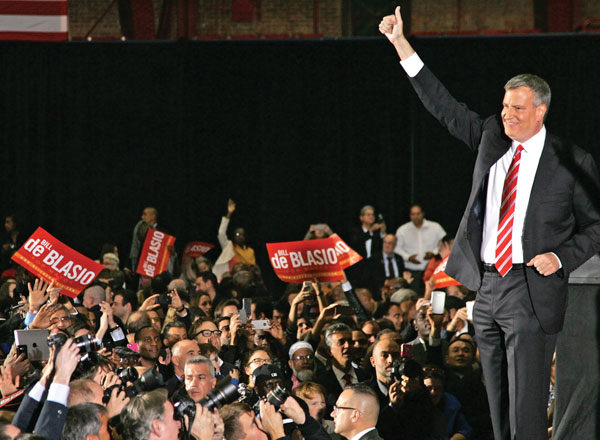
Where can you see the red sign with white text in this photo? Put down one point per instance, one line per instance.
(195, 249)
(51, 260)
(298, 261)
(442, 279)
(155, 254)
(347, 255)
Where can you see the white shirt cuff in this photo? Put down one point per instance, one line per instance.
(559, 262)
(412, 65)
(346, 286)
(117, 334)
(37, 392)
(58, 393)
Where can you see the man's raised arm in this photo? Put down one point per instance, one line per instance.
(393, 28)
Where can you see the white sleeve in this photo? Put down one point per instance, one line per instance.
(412, 65)
(222, 235)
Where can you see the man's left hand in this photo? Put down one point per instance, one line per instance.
(546, 264)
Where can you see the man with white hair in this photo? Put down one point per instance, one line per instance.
(302, 363)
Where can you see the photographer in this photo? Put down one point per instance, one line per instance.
(57, 374)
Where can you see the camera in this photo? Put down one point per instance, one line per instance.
(223, 393)
(183, 406)
(148, 381)
(127, 374)
(275, 397)
(87, 348)
(408, 368)
(164, 300)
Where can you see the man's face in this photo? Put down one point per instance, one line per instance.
(248, 425)
(436, 389)
(394, 314)
(359, 344)
(258, 358)
(149, 343)
(341, 348)
(225, 327)
(175, 335)
(229, 310)
(389, 244)
(60, 319)
(170, 426)
(182, 351)
(198, 381)
(303, 364)
(422, 324)
(278, 317)
(156, 321)
(342, 417)
(390, 286)
(205, 305)
(417, 216)
(520, 117)
(460, 354)
(110, 263)
(201, 285)
(368, 217)
(384, 355)
(9, 224)
(239, 236)
(208, 333)
(119, 309)
(370, 331)
(149, 216)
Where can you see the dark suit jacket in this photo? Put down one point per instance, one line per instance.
(333, 387)
(562, 216)
(50, 421)
(375, 272)
(371, 435)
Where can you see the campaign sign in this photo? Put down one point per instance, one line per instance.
(442, 279)
(195, 249)
(155, 255)
(346, 255)
(49, 259)
(298, 261)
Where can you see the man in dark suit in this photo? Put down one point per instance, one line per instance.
(532, 217)
(383, 265)
(355, 413)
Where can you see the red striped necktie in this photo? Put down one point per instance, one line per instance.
(507, 213)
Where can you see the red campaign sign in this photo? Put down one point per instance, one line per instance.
(155, 255)
(298, 261)
(442, 279)
(347, 255)
(195, 249)
(49, 259)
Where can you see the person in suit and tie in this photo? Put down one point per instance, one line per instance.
(355, 413)
(532, 218)
(383, 265)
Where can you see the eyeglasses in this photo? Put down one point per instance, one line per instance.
(60, 319)
(336, 408)
(209, 333)
(260, 361)
(307, 357)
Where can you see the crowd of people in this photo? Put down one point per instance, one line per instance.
(190, 353)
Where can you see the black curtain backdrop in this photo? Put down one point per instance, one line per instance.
(295, 131)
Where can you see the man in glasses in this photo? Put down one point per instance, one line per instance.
(302, 363)
(355, 413)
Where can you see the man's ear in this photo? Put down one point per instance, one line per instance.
(540, 111)
(157, 427)
(372, 359)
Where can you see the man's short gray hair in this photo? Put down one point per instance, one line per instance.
(202, 360)
(338, 327)
(138, 415)
(539, 87)
(365, 208)
(83, 420)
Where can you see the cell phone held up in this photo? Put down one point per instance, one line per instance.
(164, 300)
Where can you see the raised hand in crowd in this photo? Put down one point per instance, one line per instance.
(118, 398)
(230, 208)
(107, 320)
(459, 320)
(235, 325)
(206, 424)
(8, 383)
(45, 312)
(66, 362)
(38, 294)
(177, 302)
(293, 410)
(20, 364)
(150, 303)
(270, 420)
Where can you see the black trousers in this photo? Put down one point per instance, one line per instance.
(516, 357)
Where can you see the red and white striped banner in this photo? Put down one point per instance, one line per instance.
(33, 20)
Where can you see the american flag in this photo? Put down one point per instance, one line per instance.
(34, 20)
